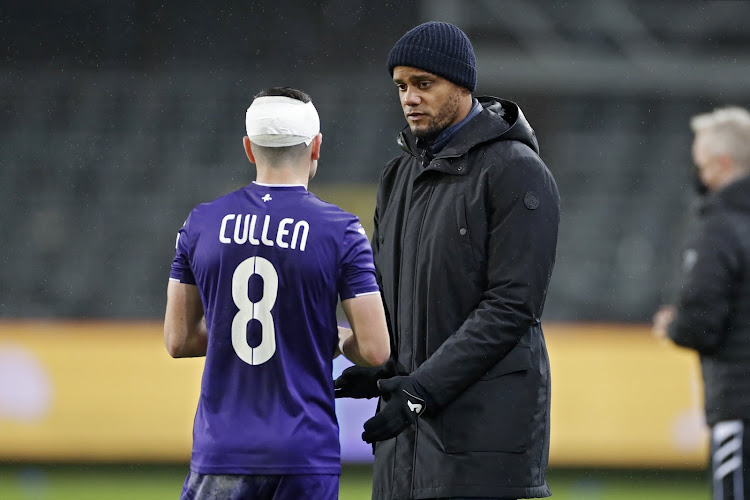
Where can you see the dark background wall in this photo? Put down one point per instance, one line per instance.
(116, 118)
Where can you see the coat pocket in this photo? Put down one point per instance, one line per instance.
(496, 412)
(465, 230)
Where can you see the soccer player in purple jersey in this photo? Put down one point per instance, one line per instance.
(254, 287)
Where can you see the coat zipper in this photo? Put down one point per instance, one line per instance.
(431, 187)
(414, 280)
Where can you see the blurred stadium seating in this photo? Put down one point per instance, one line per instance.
(118, 118)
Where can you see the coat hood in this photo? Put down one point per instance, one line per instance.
(735, 196)
(500, 120)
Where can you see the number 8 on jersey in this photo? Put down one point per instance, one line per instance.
(249, 310)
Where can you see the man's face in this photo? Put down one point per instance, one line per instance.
(709, 165)
(430, 102)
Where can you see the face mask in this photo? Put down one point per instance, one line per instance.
(698, 185)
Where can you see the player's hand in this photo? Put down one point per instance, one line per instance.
(405, 404)
(344, 334)
(661, 321)
(362, 381)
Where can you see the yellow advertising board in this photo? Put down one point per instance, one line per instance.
(621, 397)
(108, 391)
(94, 391)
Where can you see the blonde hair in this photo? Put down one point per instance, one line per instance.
(725, 131)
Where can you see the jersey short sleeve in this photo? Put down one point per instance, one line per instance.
(357, 266)
(181, 264)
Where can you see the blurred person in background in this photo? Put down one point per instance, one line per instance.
(465, 238)
(712, 313)
(254, 287)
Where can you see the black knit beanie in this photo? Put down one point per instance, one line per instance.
(440, 48)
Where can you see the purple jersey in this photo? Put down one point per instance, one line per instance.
(270, 263)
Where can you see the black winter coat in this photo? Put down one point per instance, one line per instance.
(464, 247)
(713, 311)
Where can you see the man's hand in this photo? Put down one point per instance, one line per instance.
(405, 404)
(362, 381)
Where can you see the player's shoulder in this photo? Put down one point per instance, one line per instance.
(329, 210)
(219, 201)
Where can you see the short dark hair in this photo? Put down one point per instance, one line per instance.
(284, 92)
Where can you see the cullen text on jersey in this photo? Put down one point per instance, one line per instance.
(243, 228)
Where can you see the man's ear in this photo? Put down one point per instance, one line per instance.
(317, 141)
(248, 149)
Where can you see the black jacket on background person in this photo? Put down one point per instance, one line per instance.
(464, 247)
(713, 311)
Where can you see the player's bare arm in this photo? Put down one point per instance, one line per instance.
(369, 344)
(185, 334)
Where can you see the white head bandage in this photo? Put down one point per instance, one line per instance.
(277, 122)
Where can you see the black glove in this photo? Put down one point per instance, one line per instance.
(362, 381)
(406, 403)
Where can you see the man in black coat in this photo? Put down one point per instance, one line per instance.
(712, 315)
(465, 238)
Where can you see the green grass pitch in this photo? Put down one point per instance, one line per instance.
(158, 482)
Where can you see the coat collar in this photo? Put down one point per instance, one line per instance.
(500, 119)
(732, 195)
